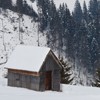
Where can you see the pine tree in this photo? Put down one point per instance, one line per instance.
(94, 32)
(6, 4)
(93, 7)
(99, 5)
(65, 73)
(44, 8)
(63, 27)
(19, 5)
(85, 12)
(83, 52)
(94, 50)
(54, 27)
(77, 14)
(1, 1)
(9, 3)
(25, 5)
(97, 79)
(69, 32)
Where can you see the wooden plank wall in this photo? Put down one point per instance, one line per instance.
(42, 81)
(36, 81)
(56, 80)
(21, 80)
(51, 65)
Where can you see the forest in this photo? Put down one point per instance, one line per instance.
(74, 35)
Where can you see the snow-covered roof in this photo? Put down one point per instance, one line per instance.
(28, 58)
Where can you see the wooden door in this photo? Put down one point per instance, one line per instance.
(48, 80)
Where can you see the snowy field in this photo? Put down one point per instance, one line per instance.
(69, 93)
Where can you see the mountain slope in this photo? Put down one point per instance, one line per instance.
(15, 29)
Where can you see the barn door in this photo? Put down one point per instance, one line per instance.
(48, 80)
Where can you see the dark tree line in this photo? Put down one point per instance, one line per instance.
(76, 34)
(20, 7)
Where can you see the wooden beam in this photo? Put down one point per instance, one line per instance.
(24, 72)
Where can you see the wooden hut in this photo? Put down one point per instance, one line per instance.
(35, 68)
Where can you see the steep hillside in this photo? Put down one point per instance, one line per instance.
(16, 29)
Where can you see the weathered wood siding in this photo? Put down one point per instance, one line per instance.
(10, 78)
(35, 83)
(56, 80)
(21, 80)
(34, 80)
(50, 65)
(42, 81)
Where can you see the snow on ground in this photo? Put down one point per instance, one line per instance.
(3, 81)
(69, 93)
(70, 3)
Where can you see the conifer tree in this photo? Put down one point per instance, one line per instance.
(54, 26)
(0, 2)
(6, 4)
(19, 4)
(85, 12)
(69, 32)
(44, 8)
(65, 73)
(77, 14)
(94, 30)
(97, 78)
(93, 7)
